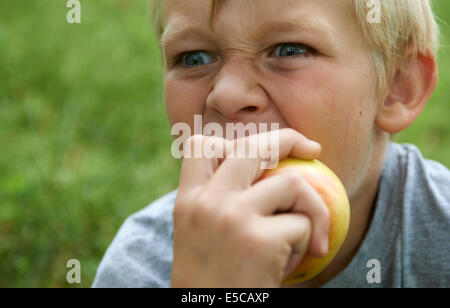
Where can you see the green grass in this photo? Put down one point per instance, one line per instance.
(85, 140)
(84, 136)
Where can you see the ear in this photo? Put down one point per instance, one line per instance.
(412, 86)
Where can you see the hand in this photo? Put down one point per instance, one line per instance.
(232, 231)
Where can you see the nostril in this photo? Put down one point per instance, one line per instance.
(250, 109)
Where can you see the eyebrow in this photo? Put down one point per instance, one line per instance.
(299, 24)
(179, 34)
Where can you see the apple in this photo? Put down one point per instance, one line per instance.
(332, 191)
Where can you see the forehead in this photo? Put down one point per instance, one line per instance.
(238, 16)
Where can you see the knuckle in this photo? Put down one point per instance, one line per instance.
(178, 214)
(203, 202)
(180, 210)
(203, 199)
(202, 209)
(294, 180)
(183, 204)
(228, 220)
(307, 227)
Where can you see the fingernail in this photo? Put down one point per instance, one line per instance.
(312, 142)
(316, 145)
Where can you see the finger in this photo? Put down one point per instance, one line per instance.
(293, 229)
(241, 173)
(289, 192)
(197, 168)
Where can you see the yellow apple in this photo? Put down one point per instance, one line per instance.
(332, 191)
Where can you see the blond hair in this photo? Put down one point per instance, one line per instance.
(405, 26)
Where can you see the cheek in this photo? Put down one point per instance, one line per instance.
(308, 102)
(347, 143)
(336, 111)
(183, 99)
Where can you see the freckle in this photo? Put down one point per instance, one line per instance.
(360, 113)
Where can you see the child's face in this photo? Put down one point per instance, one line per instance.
(300, 63)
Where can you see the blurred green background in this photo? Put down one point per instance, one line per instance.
(84, 136)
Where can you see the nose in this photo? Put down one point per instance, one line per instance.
(236, 92)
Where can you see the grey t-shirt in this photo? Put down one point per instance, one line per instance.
(407, 243)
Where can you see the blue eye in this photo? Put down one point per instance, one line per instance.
(291, 50)
(196, 58)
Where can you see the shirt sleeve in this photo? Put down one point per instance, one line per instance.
(141, 254)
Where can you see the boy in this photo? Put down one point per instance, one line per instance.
(324, 71)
